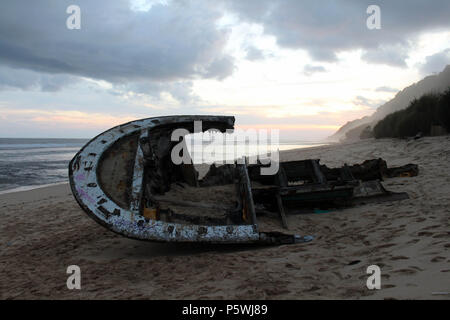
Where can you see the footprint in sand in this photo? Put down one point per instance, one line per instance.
(399, 258)
(437, 259)
(385, 276)
(386, 245)
(431, 227)
(289, 265)
(425, 234)
(442, 235)
(313, 288)
(405, 271)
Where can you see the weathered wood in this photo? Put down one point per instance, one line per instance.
(281, 211)
(281, 178)
(319, 176)
(297, 170)
(312, 187)
(192, 203)
(409, 170)
(138, 176)
(245, 182)
(103, 181)
(346, 174)
(114, 170)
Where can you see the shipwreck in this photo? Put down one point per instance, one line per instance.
(125, 180)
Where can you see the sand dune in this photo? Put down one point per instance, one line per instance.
(43, 231)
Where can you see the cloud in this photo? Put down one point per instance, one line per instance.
(30, 80)
(394, 56)
(181, 91)
(435, 63)
(254, 54)
(310, 69)
(326, 28)
(168, 43)
(386, 89)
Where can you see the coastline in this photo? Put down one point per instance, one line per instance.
(42, 231)
(29, 188)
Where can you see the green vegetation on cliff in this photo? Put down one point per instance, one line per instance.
(428, 115)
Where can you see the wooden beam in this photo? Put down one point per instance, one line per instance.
(281, 211)
(138, 175)
(184, 203)
(320, 178)
(248, 190)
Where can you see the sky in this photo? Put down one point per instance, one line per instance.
(302, 67)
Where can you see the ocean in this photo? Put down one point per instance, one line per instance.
(30, 163)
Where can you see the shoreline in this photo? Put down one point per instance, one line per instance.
(32, 187)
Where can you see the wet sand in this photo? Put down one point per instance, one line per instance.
(43, 231)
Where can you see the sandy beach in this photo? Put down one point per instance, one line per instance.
(43, 231)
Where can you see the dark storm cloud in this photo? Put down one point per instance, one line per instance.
(30, 80)
(327, 27)
(170, 43)
(166, 48)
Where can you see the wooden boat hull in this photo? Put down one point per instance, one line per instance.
(88, 167)
(126, 180)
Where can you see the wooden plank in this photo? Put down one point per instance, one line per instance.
(281, 211)
(248, 191)
(138, 176)
(346, 174)
(193, 204)
(320, 178)
(281, 178)
(312, 187)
